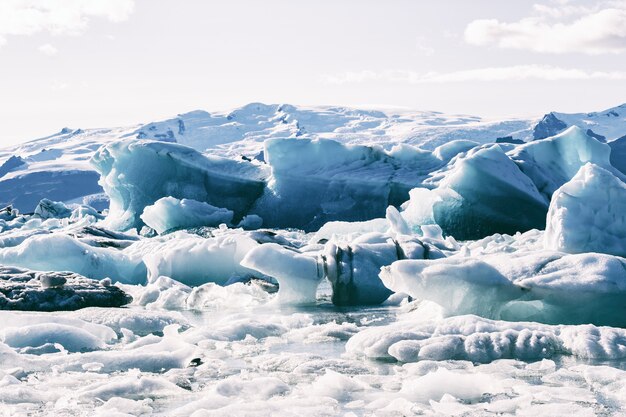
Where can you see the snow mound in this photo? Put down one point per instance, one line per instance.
(588, 214)
(169, 213)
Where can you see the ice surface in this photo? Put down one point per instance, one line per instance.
(588, 214)
(169, 213)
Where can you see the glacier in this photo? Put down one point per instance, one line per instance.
(283, 260)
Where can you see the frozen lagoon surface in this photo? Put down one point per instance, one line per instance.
(260, 317)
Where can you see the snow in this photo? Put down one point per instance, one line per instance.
(588, 214)
(607, 124)
(169, 213)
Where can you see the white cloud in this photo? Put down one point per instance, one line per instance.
(564, 29)
(69, 17)
(48, 49)
(423, 48)
(58, 85)
(512, 73)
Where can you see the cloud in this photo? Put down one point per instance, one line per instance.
(423, 48)
(59, 85)
(568, 28)
(511, 73)
(48, 49)
(58, 17)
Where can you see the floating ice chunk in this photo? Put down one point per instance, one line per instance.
(84, 211)
(544, 286)
(298, 275)
(588, 214)
(32, 331)
(136, 174)
(194, 261)
(73, 339)
(552, 162)
(352, 268)
(251, 222)
(618, 154)
(397, 223)
(434, 385)
(8, 213)
(347, 231)
(482, 340)
(449, 150)
(480, 193)
(169, 213)
(459, 285)
(47, 209)
(59, 252)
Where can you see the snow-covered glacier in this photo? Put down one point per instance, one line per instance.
(282, 260)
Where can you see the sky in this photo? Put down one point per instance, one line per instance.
(104, 63)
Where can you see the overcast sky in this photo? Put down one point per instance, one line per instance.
(98, 63)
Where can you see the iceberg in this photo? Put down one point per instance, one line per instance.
(588, 214)
(351, 267)
(479, 193)
(298, 275)
(47, 209)
(60, 252)
(170, 213)
(551, 162)
(137, 173)
(193, 260)
(543, 286)
(314, 182)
